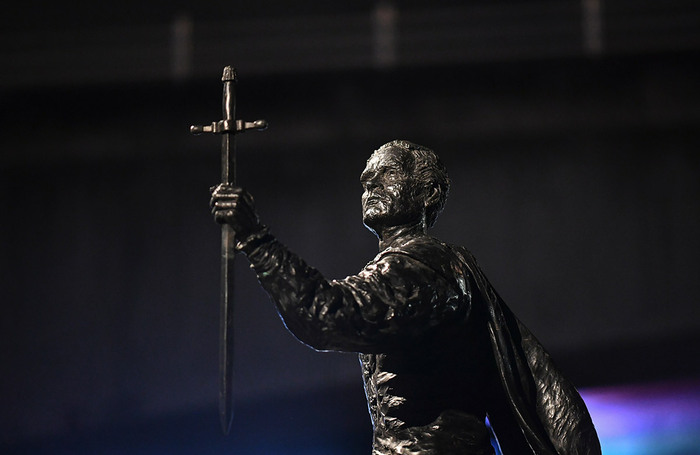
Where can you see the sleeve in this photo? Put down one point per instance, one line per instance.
(393, 303)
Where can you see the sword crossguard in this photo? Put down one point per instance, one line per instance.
(229, 126)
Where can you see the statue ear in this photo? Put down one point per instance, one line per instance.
(432, 195)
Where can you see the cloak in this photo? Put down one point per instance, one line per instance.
(536, 397)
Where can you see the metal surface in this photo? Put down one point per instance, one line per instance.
(440, 350)
(228, 128)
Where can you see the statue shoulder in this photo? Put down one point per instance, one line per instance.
(422, 248)
(446, 259)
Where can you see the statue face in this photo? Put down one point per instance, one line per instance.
(390, 193)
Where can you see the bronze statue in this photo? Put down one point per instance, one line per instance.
(440, 351)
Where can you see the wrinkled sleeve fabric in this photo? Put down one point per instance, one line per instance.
(393, 303)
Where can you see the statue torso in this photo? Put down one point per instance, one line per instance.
(431, 399)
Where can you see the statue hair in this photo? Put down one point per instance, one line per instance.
(424, 164)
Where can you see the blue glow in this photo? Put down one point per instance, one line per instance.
(647, 419)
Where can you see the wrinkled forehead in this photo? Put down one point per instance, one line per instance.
(387, 156)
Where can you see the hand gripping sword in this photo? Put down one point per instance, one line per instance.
(228, 128)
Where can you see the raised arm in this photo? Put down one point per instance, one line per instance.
(393, 303)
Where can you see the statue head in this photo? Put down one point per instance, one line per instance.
(403, 183)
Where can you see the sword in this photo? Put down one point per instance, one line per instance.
(228, 128)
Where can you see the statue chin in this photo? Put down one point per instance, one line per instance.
(371, 215)
(376, 221)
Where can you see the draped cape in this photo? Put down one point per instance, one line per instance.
(536, 397)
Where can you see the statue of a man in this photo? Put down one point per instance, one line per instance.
(440, 351)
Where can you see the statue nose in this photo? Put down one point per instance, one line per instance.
(372, 185)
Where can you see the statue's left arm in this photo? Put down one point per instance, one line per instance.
(393, 303)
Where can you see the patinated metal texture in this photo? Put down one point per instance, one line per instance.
(228, 127)
(439, 349)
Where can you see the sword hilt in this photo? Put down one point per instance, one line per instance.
(229, 126)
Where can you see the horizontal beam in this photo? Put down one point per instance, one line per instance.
(192, 46)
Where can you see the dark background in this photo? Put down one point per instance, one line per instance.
(570, 129)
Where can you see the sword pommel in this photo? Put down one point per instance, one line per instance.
(229, 75)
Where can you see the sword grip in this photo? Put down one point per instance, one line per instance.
(228, 108)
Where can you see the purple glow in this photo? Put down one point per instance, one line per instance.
(647, 419)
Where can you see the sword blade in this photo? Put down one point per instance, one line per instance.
(226, 329)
